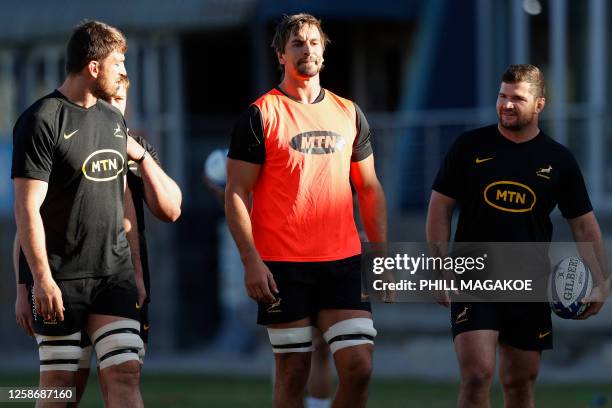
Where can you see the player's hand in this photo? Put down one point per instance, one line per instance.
(388, 296)
(134, 149)
(48, 300)
(142, 291)
(441, 297)
(595, 300)
(259, 282)
(23, 315)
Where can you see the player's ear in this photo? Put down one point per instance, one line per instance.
(93, 68)
(281, 58)
(540, 102)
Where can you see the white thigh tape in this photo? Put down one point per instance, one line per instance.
(292, 340)
(141, 354)
(85, 360)
(59, 353)
(350, 332)
(117, 342)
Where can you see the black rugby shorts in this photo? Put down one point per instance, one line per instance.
(305, 288)
(114, 295)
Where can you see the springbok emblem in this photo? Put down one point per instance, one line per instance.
(462, 317)
(545, 172)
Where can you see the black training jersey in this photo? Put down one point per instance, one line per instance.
(136, 185)
(506, 191)
(81, 154)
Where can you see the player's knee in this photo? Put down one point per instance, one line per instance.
(126, 374)
(292, 370)
(57, 378)
(349, 333)
(291, 340)
(477, 377)
(59, 353)
(117, 343)
(356, 368)
(519, 380)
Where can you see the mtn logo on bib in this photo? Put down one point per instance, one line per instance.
(103, 165)
(318, 142)
(510, 196)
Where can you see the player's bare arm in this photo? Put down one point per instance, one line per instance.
(130, 224)
(241, 178)
(587, 235)
(438, 229)
(438, 226)
(162, 195)
(372, 206)
(23, 316)
(29, 196)
(371, 197)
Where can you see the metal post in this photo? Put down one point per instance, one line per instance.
(7, 94)
(597, 97)
(484, 53)
(520, 33)
(558, 38)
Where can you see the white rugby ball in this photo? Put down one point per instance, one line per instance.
(215, 167)
(569, 284)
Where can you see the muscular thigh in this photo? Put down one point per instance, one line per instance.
(517, 365)
(476, 350)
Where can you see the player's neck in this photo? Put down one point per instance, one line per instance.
(77, 91)
(304, 90)
(522, 135)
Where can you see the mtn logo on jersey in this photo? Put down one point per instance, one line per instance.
(103, 165)
(318, 142)
(510, 196)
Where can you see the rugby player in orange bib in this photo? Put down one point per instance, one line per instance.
(296, 149)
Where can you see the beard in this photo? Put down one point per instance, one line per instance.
(310, 67)
(103, 88)
(516, 121)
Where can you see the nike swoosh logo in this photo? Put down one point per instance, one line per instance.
(478, 161)
(145, 327)
(542, 335)
(69, 135)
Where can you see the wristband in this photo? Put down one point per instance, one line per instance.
(144, 155)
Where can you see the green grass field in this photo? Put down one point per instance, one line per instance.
(186, 391)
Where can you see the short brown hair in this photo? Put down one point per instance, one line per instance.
(526, 73)
(293, 24)
(92, 41)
